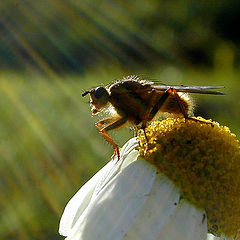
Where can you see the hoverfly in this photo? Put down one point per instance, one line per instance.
(137, 101)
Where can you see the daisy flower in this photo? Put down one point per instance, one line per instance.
(184, 183)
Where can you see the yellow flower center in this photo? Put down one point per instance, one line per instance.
(203, 160)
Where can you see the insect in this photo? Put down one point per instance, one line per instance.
(137, 101)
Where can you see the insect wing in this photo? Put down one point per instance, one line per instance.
(190, 89)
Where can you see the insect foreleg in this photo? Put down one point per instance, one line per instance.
(116, 124)
(113, 125)
(104, 122)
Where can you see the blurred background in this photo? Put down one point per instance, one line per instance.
(53, 50)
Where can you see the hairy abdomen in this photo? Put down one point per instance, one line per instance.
(172, 106)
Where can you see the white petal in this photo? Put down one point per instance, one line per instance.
(128, 200)
(79, 202)
(114, 210)
(89, 191)
(127, 153)
(160, 205)
(212, 237)
(185, 224)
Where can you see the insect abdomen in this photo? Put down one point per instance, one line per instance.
(173, 106)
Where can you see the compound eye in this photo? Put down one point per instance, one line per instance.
(99, 92)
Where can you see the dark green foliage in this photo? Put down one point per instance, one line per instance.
(72, 35)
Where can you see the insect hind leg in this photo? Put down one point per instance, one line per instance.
(163, 98)
(199, 120)
(183, 110)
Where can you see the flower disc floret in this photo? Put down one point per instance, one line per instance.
(202, 158)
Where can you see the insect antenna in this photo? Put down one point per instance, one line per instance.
(85, 93)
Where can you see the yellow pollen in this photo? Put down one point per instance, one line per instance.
(203, 160)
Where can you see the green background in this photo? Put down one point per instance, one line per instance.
(51, 51)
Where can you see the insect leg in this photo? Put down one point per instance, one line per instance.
(104, 121)
(174, 92)
(159, 103)
(144, 125)
(163, 98)
(112, 126)
(154, 110)
(184, 112)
